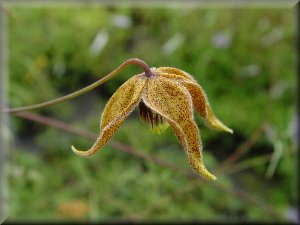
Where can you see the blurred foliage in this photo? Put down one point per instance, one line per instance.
(243, 58)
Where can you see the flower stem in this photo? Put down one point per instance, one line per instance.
(136, 61)
(146, 68)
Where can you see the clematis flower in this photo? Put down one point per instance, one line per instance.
(166, 95)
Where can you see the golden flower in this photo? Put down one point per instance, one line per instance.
(165, 96)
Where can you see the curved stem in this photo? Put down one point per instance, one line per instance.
(145, 66)
(85, 89)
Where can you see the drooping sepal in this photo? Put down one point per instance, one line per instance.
(199, 98)
(119, 106)
(173, 102)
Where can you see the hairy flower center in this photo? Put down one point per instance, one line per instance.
(150, 117)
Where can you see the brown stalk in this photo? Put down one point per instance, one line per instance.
(124, 148)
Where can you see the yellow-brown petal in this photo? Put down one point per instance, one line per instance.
(200, 100)
(195, 90)
(119, 106)
(172, 101)
(198, 97)
(175, 71)
(203, 107)
(214, 122)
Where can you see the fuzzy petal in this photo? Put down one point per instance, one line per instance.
(214, 122)
(203, 107)
(199, 97)
(119, 106)
(172, 101)
(175, 71)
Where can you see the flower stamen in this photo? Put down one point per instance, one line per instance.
(150, 117)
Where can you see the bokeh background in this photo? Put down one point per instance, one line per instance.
(243, 57)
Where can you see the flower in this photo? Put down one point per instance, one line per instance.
(166, 95)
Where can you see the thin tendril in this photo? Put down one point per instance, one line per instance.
(83, 90)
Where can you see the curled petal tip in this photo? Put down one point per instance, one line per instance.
(78, 152)
(226, 129)
(217, 124)
(213, 178)
(200, 169)
(206, 174)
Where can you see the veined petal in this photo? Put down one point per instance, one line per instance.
(198, 95)
(126, 95)
(119, 106)
(172, 101)
(202, 105)
(196, 92)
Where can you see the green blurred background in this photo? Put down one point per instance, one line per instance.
(243, 57)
